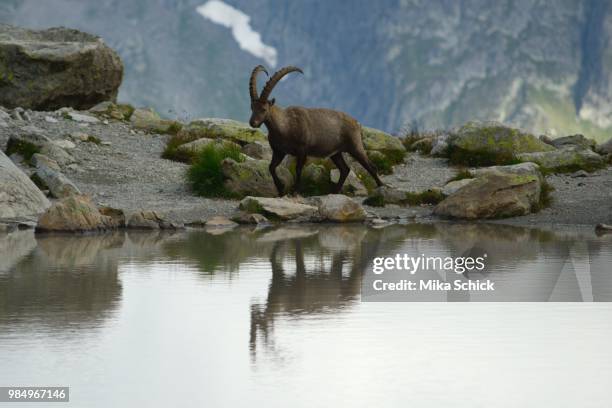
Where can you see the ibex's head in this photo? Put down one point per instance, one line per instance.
(260, 105)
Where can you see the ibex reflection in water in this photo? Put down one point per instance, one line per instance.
(303, 132)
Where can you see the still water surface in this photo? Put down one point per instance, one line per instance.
(274, 318)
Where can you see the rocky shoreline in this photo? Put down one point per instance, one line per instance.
(118, 165)
(72, 159)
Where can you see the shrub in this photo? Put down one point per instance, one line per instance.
(93, 139)
(478, 158)
(380, 160)
(375, 201)
(205, 174)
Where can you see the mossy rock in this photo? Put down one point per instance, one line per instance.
(252, 177)
(391, 147)
(148, 119)
(566, 160)
(228, 129)
(491, 143)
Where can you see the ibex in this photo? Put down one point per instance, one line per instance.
(303, 132)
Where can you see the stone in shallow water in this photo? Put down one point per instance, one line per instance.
(280, 208)
(495, 195)
(339, 208)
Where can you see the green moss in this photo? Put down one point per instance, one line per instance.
(368, 182)
(480, 157)
(205, 174)
(425, 197)
(23, 148)
(375, 201)
(461, 175)
(93, 139)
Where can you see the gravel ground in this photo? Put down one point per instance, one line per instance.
(126, 172)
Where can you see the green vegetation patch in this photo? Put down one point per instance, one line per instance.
(375, 201)
(385, 160)
(172, 152)
(206, 175)
(480, 157)
(22, 148)
(93, 139)
(431, 197)
(461, 175)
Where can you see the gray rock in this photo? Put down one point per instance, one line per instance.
(252, 177)
(527, 168)
(494, 195)
(56, 153)
(57, 67)
(278, 208)
(150, 220)
(74, 214)
(374, 139)
(454, 186)
(574, 140)
(248, 218)
(79, 117)
(566, 159)
(20, 199)
(339, 208)
(228, 129)
(220, 222)
(49, 172)
(258, 150)
(147, 119)
(64, 144)
(495, 139)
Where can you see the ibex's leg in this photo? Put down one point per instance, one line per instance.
(344, 171)
(277, 158)
(299, 165)
(361, 156)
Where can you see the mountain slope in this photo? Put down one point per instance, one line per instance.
(542, 65)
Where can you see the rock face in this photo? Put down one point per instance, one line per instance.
(454, 186)
(57, 67)
(252, 177)
(49, 172)
(339, 208)
(228, 129)
(278, 208)
(74, 214)
(479, 143)
(20, 199)
(568, 159)
(521, 169)
(258, 150)
(494, 195)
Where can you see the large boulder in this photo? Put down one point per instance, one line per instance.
(569, 159)
(20, 199)
(258, 150)
(521, 169)
(48, 171)
(282, 208)
(75, 214)
(339, 208)
(379, 141)
(214, 128)
(494, 195)
(574, 141)
(57, 67)
(489, 143)
(150, 220)
(252, 177)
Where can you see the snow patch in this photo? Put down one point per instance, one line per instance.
(248, 39)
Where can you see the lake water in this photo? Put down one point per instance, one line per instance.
(275, 318)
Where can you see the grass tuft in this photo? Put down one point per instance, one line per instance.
(171, 151)
(461, 175)
(22, 148)
(431, 197)
(205, 174)
(459, 156)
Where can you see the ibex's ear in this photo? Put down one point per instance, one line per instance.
(272, 101)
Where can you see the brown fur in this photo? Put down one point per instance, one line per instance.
(303, 132)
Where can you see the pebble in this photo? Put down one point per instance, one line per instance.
(51, 119)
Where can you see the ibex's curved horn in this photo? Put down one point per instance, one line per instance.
(274, 80)
(253, 81)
